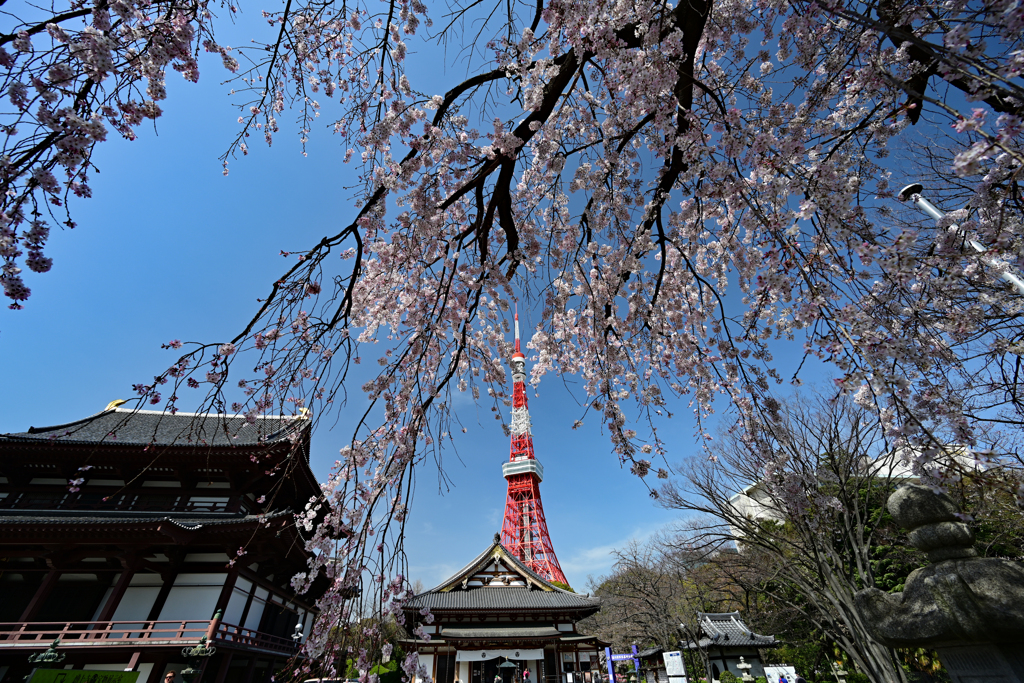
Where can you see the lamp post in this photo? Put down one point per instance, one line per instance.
(195, 653)
(913, 192)
(44, 660)
(297, 636)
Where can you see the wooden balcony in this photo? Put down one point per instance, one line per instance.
(138, 634)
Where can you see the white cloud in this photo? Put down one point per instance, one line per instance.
(433, 574)
(597, 560)
(494, 517)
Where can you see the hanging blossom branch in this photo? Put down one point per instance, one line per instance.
(674, 198)
(66, 77)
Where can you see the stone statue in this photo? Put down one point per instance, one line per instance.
(970, 609)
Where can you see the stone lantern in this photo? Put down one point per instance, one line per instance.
(969, 609)
(744, 671)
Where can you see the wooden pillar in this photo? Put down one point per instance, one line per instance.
(202, 669)
(43, 592)
(245, 610)
(252, 667)
(156, 675)
(225, 593)
(107, 613)
(161, 597)
(222, 670)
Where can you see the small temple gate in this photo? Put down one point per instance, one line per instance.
(120, 536)
(497, 610)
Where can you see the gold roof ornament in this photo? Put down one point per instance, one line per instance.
(115, 403)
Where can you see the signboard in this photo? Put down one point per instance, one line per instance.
(73, 676)
(674, 666)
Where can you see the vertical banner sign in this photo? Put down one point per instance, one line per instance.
(609, 657)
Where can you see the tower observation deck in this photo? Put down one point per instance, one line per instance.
(524, 531)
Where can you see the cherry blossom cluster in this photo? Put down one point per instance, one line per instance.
(65, 77)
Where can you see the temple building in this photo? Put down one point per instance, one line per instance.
(121, 536)
(498, 617)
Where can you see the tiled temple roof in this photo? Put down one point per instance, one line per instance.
(727, 629)
(152, 427)
(533, 594)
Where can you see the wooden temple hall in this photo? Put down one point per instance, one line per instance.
(141, 557)
(497, 617)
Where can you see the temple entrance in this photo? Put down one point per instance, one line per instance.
(484, 672)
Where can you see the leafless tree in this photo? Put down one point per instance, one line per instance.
(810, 517)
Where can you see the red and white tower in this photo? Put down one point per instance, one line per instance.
(524, 532)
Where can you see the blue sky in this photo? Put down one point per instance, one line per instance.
(170, 248)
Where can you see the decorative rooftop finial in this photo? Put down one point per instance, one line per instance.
(497, 537)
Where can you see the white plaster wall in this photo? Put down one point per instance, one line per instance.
(427, 662)
(259, 600)
(307, 622)
(200, 579)
(99, 607)
(193, 597)
(236, 603)
(136, 603)
(146, 579)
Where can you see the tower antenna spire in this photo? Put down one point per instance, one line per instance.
(517, 328)
(524, 532)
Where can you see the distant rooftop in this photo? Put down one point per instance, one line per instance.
(153, 427)
(726, 629)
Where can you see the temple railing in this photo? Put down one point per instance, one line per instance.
(36, 635)
(229, 633)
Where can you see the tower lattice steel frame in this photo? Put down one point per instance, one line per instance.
(524, 532)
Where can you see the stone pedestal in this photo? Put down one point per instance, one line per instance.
(969, 609)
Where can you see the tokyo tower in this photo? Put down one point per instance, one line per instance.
(524, 532)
